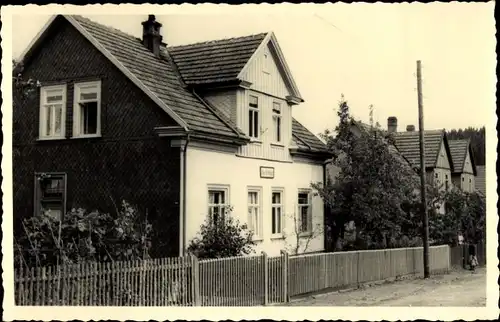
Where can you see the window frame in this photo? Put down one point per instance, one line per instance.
(258, 206)
(218, 188)
(42, 127)
(255, 111)
(38, 191)
(277, 123)
(281, 206)
(77, 110)
(308, 232)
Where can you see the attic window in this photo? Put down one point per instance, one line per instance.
(87, 110)
(253, 117)
(277, 122)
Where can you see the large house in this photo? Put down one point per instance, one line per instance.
(464, 167)
(183, 132)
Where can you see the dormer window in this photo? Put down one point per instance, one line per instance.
(87, 110)
(253, 117)
(277, 122)
(52, 112)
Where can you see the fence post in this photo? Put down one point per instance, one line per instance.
(357, 269)
(195, 288)
(284, 266)
(266, 278)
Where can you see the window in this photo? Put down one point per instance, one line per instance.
(277, 122)
(50, 194)
(470, 185)
(446, 182)
(52, 112)
(277, 212)
(217, 203)
(253, 117)
(305, 217)
(254, 212)
(87, 110)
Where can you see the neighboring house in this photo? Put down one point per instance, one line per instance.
(464, 173)
(181, 132)
(480, 183)
(438, 162)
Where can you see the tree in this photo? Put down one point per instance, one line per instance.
(477, 140)
(222, 237)
(375, 188)
(296, 241)
(465, 215)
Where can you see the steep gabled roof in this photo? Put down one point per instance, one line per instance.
(218, 61)
(225, 61)
(481, 179)
(459, 150)
(408, 144)
(162, 79)
(305, 140)
(383, 134)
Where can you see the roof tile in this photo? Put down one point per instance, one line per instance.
(157, 75)
(200, 63)
(215, 61)
(408, 144)
(458, 150)
(481, 179)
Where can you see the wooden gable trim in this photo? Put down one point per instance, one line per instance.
(296, 97)
(39, 37)
(471, 157)
(444, 140)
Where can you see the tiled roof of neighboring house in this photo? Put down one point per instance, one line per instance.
(458, 150)
(216, 61)
(391, 147)
(158, 75)
(162, 78)
(408, 144)
(481, 179)
(305, 140)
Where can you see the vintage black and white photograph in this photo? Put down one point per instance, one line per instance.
(320, 156)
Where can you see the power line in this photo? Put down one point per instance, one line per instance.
(328, 22)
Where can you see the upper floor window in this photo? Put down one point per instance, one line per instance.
(52, 112)
(277, 122)
(87, 109)
(446, 182)
(253, 117)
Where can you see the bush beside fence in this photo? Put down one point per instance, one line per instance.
(236, 281)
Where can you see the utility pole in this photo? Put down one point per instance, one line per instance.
(425, 216)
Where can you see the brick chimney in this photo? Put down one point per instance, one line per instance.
(151, 37)
(410, 128)
(392, 124)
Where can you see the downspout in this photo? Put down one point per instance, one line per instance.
(184, 173)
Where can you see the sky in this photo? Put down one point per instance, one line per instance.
(367, 52)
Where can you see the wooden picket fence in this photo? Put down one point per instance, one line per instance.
(157, 282)
(235, 281)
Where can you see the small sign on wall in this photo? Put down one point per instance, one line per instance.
(267, 172)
